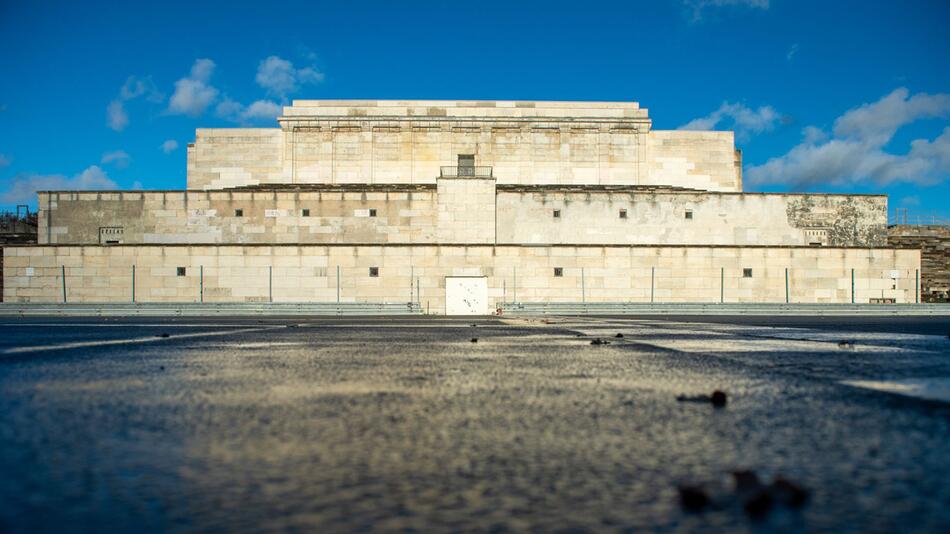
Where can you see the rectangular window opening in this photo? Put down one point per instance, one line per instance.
(372, 212)
(557, 214)
(374, 272)
(623, 214)
(747, 273)
(239, 212)
(689, 214)
(305, 212)
(559, 271)
(181, 271)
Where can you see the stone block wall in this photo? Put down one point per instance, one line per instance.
(934, 243)
(695, 160)
(526, 215)
(233, 157)
(466, 210)
(290, 273)
(371, 216)
(337, 142)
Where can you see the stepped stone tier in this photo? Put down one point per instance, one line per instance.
(460, 206)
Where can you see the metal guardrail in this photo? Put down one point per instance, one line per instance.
(465, 172)
(187, 309)
(638, 308)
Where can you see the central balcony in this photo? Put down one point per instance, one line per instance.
(465, 172)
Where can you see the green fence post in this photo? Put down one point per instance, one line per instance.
(201, 283)
(852, 286)
(270, 283)
(916, 286)
(722, 285)
(133, 283)
(337, 284)
(652, 277)
(64, 283)
(583, 288)
(786, 285)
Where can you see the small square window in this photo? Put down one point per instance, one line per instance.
(305, 212)
(372, 212)
(181, 271)
(557, 214)
(239, 213)
(623, 214)
(747, 273)
(689, 214)
(559, 271)
(374, 271)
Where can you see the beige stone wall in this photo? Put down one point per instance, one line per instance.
(593, 217)
(695, 160)
(466, 210)
(268, 217)
(338, 142)
(308, 273)
(233, 157)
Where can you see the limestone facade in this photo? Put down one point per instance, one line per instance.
(463, 210)
(381, 201)
(404, 273)
(528, 143)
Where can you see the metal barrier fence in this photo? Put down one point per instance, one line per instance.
(638, 308)
(465, 172)
(189, 309)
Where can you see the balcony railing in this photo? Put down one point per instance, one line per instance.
(465, 172)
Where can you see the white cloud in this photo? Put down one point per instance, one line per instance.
(743, 119)
(697, 7)
(193, 94)
(279, 77)
(260, 110)
(116, 117)
(23, 187)
(856, 152)
(792, 50)
(4, 160)
(880, 120)
(119, 158)
(169, 146)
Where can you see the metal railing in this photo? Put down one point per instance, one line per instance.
(190, 309)
(465, 172)
(904, 216)
(699, 308)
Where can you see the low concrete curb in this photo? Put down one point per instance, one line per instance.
(205, 309)
(620, 308)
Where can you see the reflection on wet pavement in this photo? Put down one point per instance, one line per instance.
(390, 424)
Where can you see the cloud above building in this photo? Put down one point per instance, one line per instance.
(119, 158)
(23, 187)
(280, 78)
(258, 111)
(744, 120)
(169, 146)
(856, 150)
(117, 117)
(194, 93)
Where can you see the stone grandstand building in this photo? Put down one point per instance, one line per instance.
(461, 207)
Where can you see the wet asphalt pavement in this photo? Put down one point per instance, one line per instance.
(294, 424)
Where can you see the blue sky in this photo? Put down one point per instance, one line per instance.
(825, 96)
